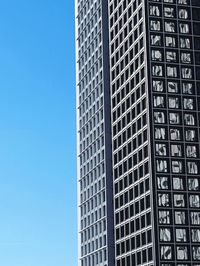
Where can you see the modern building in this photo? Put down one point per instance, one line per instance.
(138, 81)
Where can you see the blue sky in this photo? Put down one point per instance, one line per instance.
(37, 133)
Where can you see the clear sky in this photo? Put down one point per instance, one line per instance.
(37, 133)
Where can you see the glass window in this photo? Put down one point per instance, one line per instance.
(166, 253)
(179, 200)
(163, 182)
(156, 55)
(192, 168)
(155, 40)
(185, 58)
(165, 234)
(157, 71)
(185, 43)
(182, 253)
(172, 87)
(169, 12)
(180, 217)
(196, 252)
(154, 11)
(172, 72)
(160, 133)
(195, 218)
(174, 118)
(187, 88)
(161, 166)
(193, 184)
(186, 73)
(189, 120)
(177, 167)
(178, 183)
(188, 103)
(163, 199)
(176, 150)
(195, 235)
(175, 134)
(194, 201)
(161, 149)
(190, 135)
(155, 25)
(169, 26)
(181, 235)
(171, 56)
(173, 102)
(159, 117)
(184, 28)
(164, 217)
(170, 41)
(191, 151)
(158, 101)
(183, 2)
(157, 85)
(183, 13)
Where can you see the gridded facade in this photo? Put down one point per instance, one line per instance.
(173, 43)
(132, 197)
(94, 135)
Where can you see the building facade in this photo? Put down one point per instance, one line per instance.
(150, 79)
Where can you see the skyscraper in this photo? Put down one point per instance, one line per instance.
(149, 77)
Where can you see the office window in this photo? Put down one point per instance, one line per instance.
(169, 12)
(181, 235)
(164, 217)
(154, 11)
(161, 166)
(182, 253)
(163, 200)
(157, 85)
(155, 40)
(170, 41)
(187, 88)
(189, 119)
(158, 101)
(192, 167)
(178, 183)
(156, 55)
(191, 151)
(165, 234)
(194, 201)
(177, 167)
(195, 235)
(179, 200)
(157, 71)
(159, 117)
(195, 218)
(160, 133)
(166, 253)
(175, 134)
(190, 135)
(169, 26)
(188, 104)
(193, 184)
(185, 43)
(173, 102)
(183, 14)
(196, 253)
(186, 73)
(172, 87)
(155, 25)
(185, 58)
(172, 72)
(174, 118)
(180, 217)
(171, 56)
(184, 28)
(163, 182)
(161, 149)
